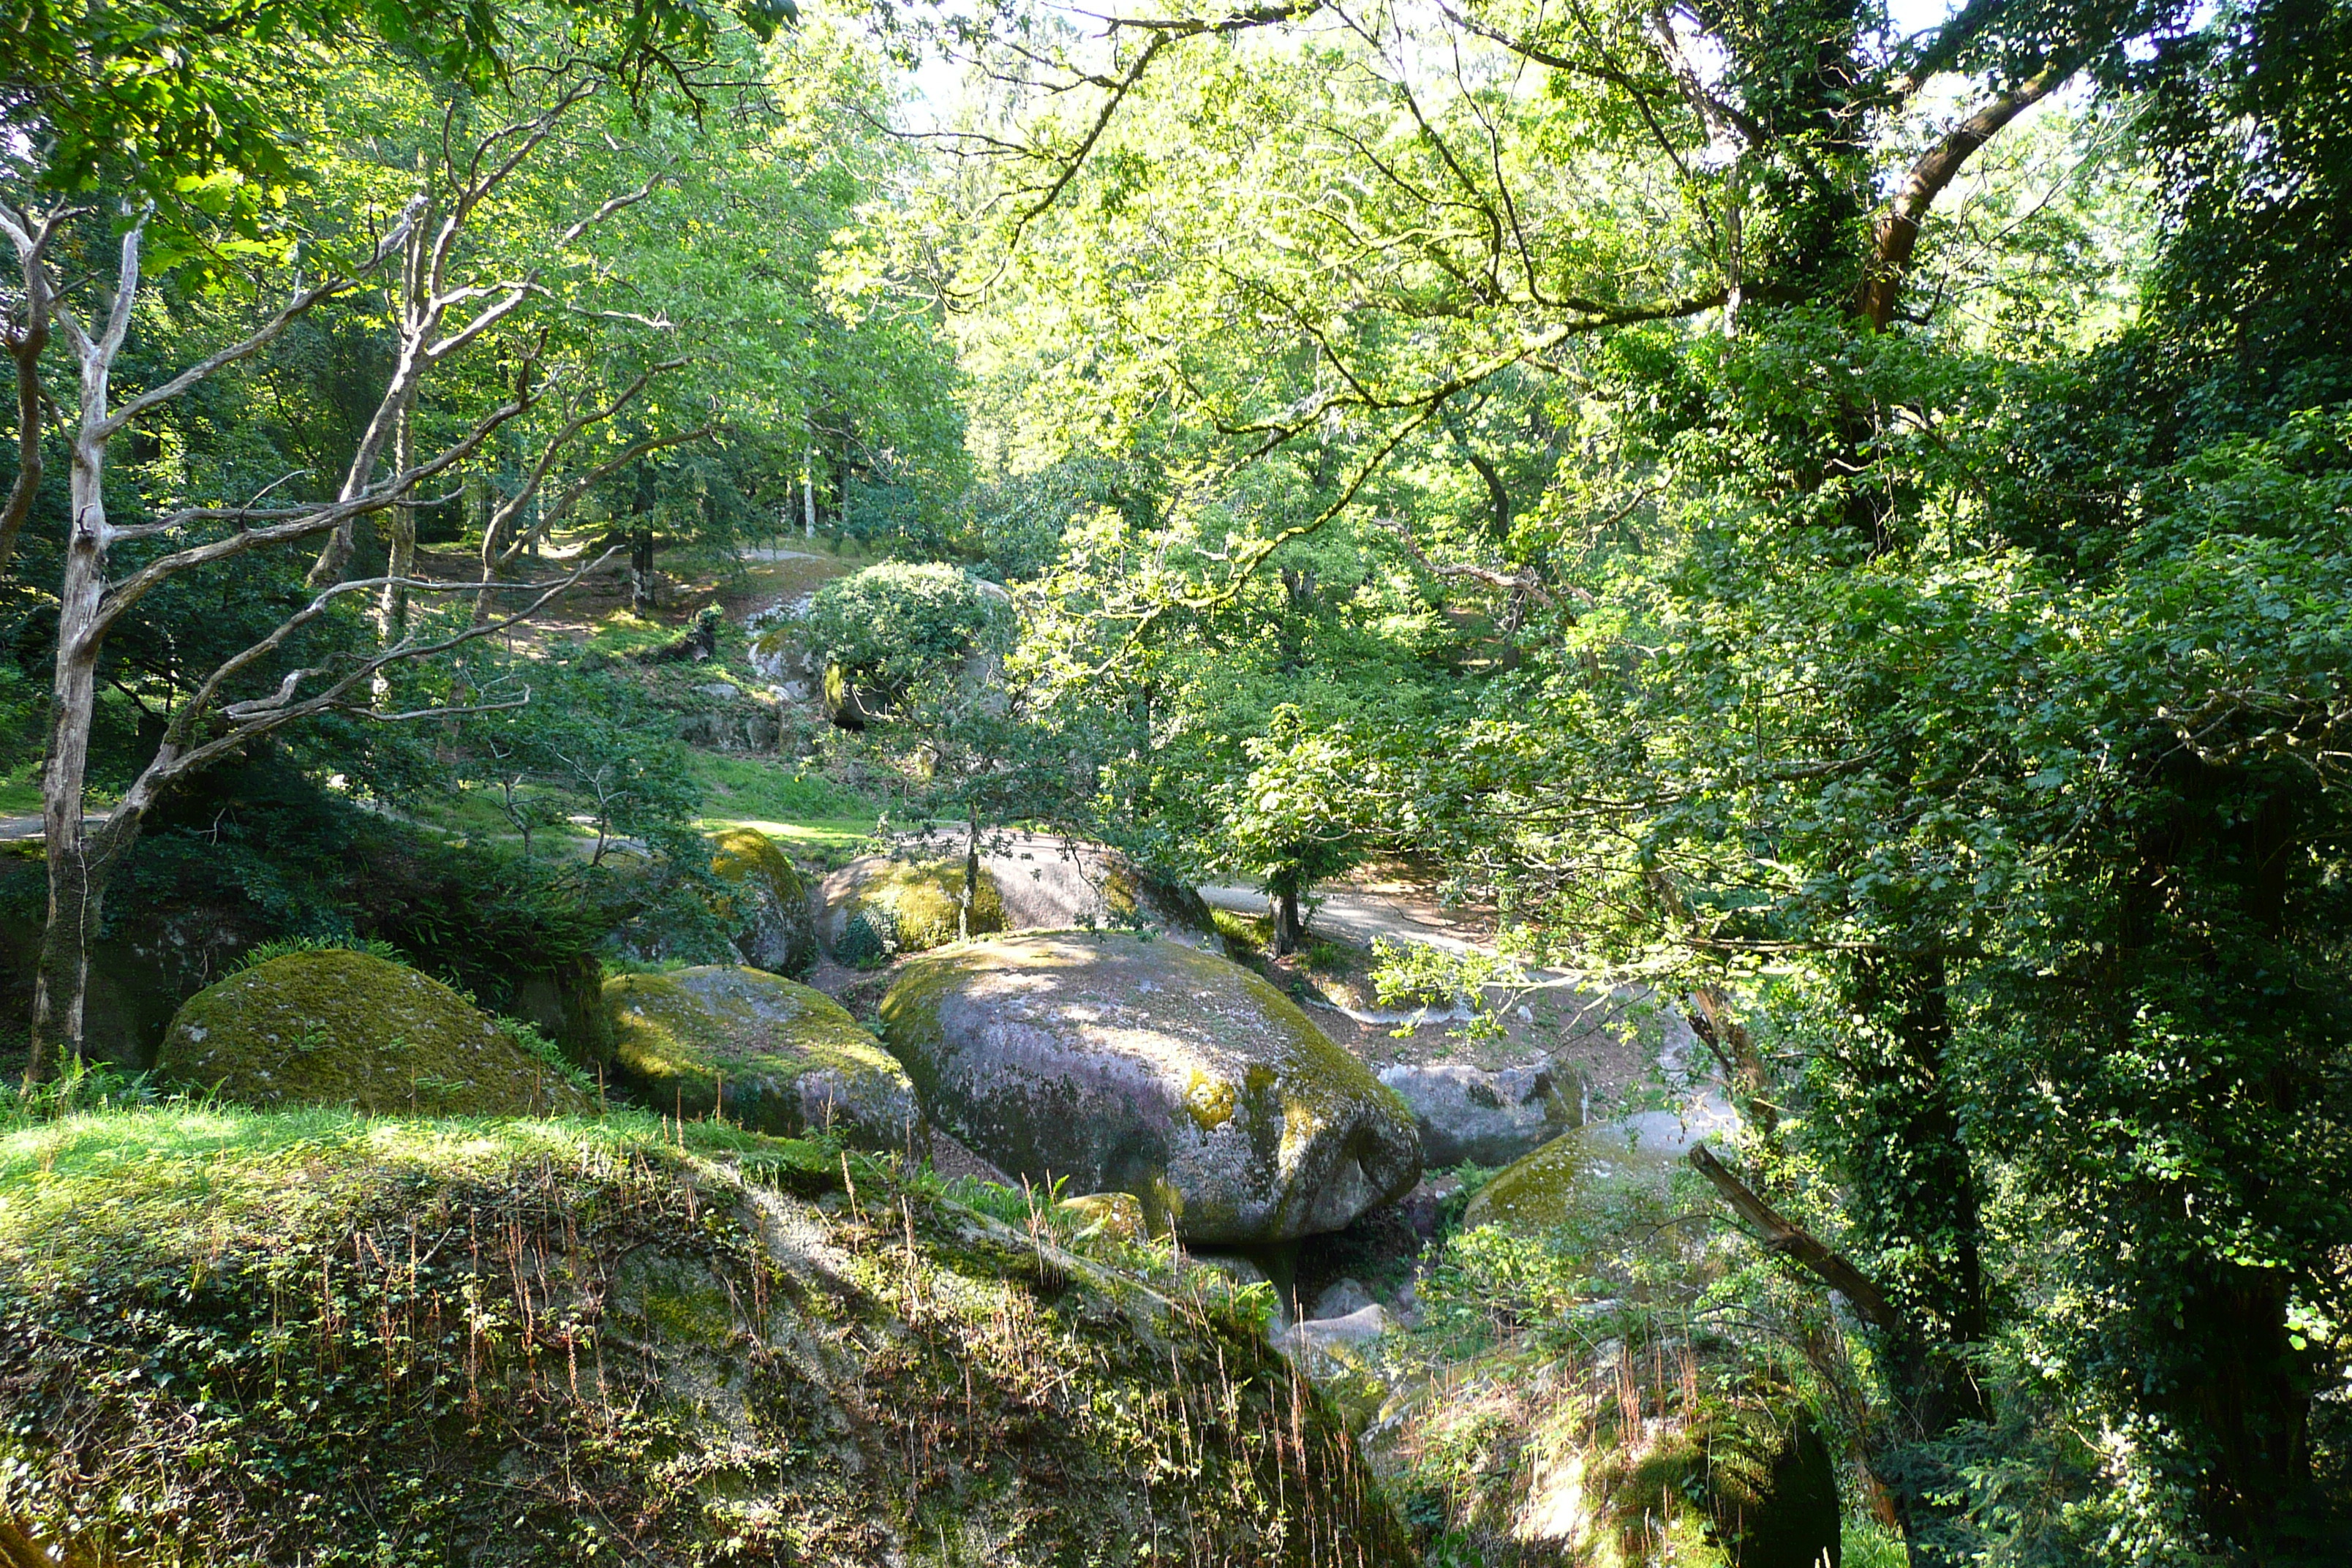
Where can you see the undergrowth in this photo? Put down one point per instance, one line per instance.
(235, 1337)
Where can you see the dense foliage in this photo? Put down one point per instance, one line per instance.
(1847, 524)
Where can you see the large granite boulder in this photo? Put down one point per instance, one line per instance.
(879, 906)
(334, 1026)
(1048, 882)
(775, 1055)
(1470, 1115)
(766, 901)
(1634, 1156)
(1123, 1062)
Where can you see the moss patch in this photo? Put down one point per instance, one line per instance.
(919, 901)
(239, 1337)
(1562, 1182)
(767, 902)
(782, 1056)
(338, 1028)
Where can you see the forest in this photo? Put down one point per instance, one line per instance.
(1404, 783)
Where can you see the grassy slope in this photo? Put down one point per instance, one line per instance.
(235, 1337)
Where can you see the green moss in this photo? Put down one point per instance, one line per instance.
(691, 1036)
(1211, 1101)
(922, 898)
(746, 855)
(1561, 1184)
(340, 1028)
(766, 904)
(441, 1342)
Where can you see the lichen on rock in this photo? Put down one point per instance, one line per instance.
(339, 1028)
(918, 903)
(766, 906)
(784, 1058)
(1129, 1063)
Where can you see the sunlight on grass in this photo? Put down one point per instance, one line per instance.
(219, 1168)
(845, 831)
(20, 795)
(808, 809)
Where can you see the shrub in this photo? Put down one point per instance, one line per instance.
(890, 625)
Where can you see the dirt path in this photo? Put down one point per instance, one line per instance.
(1360, 915)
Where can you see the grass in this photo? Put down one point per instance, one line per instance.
(798, 808)
(20, 793)
(451, 1340)
(1870, 1544)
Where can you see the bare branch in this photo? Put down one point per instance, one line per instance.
(1798, 1244)
(170, 763)
(127, 593)
(26, 346)
(244, 348)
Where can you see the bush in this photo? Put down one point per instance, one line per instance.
(890, 625)
(869, 941)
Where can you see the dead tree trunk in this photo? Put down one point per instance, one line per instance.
(207, 724)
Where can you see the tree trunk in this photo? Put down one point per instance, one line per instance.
(642, 598)
(77, 880)
(971, 871)
(808, 499)
(1289, 927)
(1919, 1205)
(391, 605)
(24, 349)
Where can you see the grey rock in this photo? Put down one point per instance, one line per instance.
(1126, 1063)
(1469, 1114)
(1339, 1299)
(1048, 882)
(1358, 1328)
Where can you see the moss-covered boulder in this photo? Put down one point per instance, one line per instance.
(1127, 1063)
(766, 905)
(1609, 1162)
(569, 1343)
(879, 906)
(776, 1056)
(337, 1027)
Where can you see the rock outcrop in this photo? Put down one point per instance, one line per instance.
(1129, 1063)
(879, 906)
(567, 1342)
(1470, 1115)
(334, 1027)
(767, 902)
(770, 1053)
(1559, 1183)
(1048, 882)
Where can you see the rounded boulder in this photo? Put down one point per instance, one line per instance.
(1633, 1157)
(1120, 1062)
(1048, 883)
(773, 1055)
(879, 906)
(339, 1028)
(766, 900)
